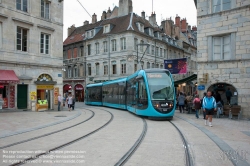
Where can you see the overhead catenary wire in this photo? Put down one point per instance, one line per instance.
(84, 8)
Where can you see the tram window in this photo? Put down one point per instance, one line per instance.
(94, 94)
(142, 93)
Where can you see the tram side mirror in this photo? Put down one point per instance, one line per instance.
(139, 77)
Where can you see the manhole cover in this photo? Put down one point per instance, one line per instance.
(60, 116)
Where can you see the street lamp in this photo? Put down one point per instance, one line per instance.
(143, 53)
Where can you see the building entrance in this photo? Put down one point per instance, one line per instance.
(223, 89)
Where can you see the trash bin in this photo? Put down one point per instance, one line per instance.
(1, 103)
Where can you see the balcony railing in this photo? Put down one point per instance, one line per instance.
(73, 60)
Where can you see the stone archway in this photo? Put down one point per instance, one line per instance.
(222, 87)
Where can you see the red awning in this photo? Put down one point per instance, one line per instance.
(67, 87)
(8, 76)
(78, 87)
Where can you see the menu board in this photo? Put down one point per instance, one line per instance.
(12, 97)
(56, 93)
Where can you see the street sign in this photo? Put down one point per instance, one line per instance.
(201, 87)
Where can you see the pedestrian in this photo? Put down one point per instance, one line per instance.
(228, 95)
(204, 112)
(197, 105)
(73, 102)
(70, 102)
(59, 97)
(181, 102)
(209, 105)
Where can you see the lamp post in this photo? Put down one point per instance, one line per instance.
(143, 53)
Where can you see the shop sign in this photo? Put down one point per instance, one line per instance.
(33, 95)
(79, 87)
(56, 93)
(201, 87)
(46, 87)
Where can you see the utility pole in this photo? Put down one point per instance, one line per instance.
(109, 66)
(155, 54)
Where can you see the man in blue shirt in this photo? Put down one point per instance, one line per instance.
(209, 106)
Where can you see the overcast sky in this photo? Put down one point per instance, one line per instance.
(75, 14)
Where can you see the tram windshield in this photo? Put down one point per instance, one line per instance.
(160, 86)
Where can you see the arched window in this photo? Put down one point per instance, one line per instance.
(114, 69)
(89, 69)
(123, 66)
(148, 65)
(97, 66)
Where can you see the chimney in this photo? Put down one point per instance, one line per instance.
(125, 7)
(152, 20)
(104, 15)
(143, 15)
(184, 25)
(189, 28)
(94, 18)
(194, 28)
(168, 27)
(71, 29)
(108, 13)
(86, 22)
(177, 21)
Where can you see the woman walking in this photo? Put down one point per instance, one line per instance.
(197, 105)
(70, 102)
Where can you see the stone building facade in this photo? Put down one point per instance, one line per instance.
(224, 49)
(31, 32)
(107, 49)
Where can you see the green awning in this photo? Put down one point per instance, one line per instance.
(185, 80)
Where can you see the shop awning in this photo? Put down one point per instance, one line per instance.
(185, 80)
(78, 87)
(67, 87)
(8, 76)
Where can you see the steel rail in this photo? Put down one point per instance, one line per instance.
(65, 144)
(131, 151)
(189, 161)
(45, 135)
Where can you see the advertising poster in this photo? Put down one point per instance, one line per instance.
(56, 93)
(33, 95)
(176, 66)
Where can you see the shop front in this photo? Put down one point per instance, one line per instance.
(8, 81)
(44, 93)
(187, 85)
(79, 93)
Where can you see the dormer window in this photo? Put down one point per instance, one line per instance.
(90, 34)
(150, 31)
(106, 28)
(140, 27)
(157, 35)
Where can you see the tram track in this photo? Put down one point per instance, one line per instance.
(50, 133)
(188, 157)
(43, 126)
(131, 151)
(65, 144)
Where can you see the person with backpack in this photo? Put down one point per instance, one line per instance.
(209, 105)
(197, 105)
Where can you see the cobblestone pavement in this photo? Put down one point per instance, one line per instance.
(162, 145)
